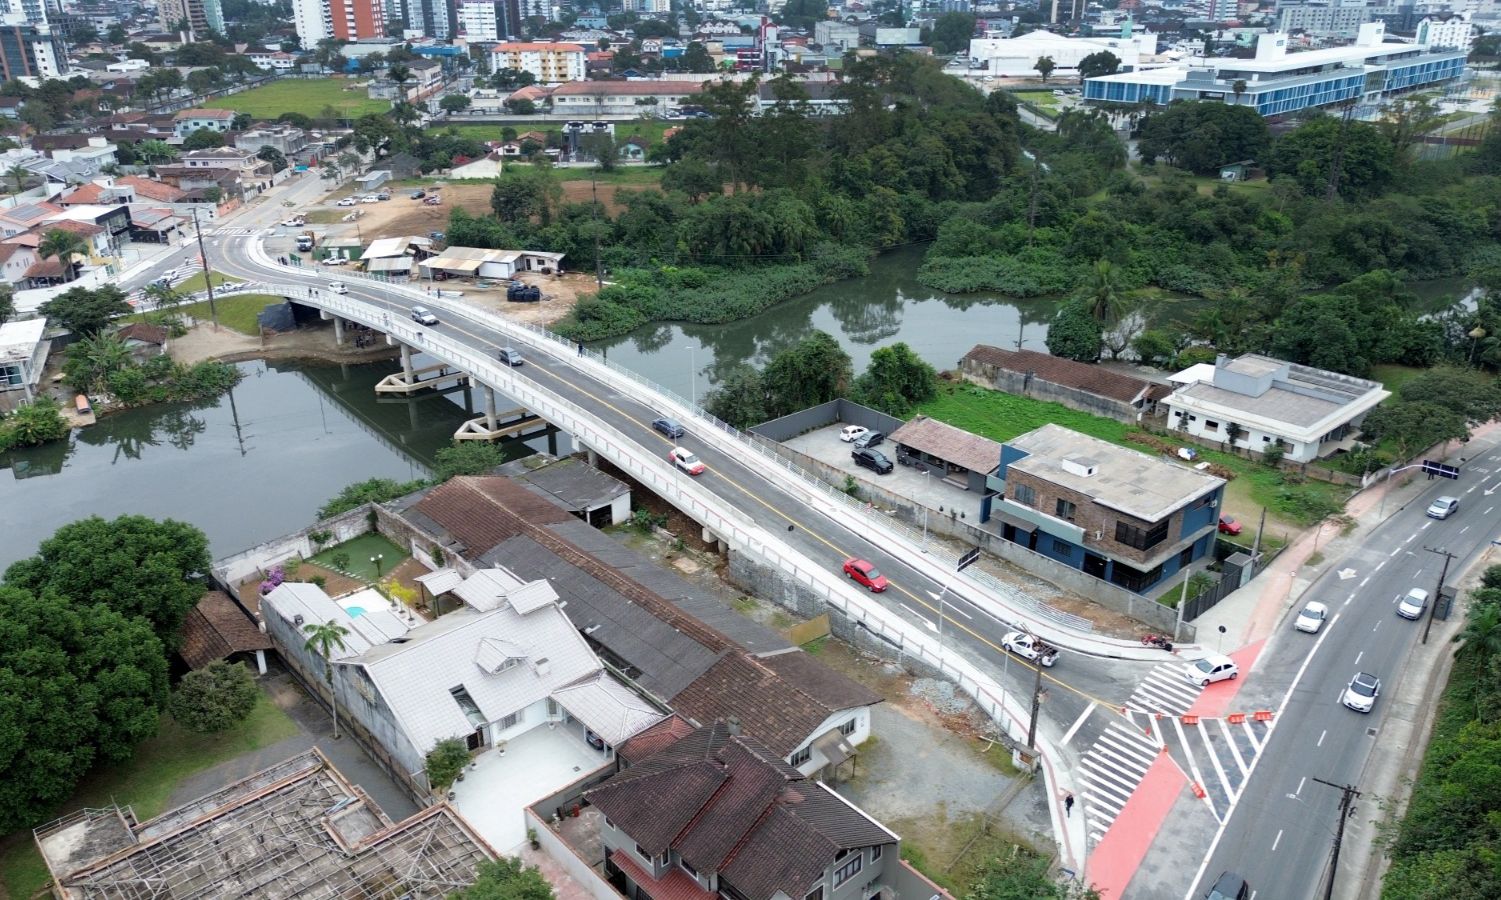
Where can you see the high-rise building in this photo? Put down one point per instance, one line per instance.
(202, 17)
(23, 12)
(549, 63)
(313, 20)
(434, 18)
(490, 20)
(31, 51)
(345, 20)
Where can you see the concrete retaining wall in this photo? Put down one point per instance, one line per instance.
(1039, 389)
(805, 420)
(577, 868)
(230, 571)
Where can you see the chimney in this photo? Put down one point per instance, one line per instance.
(733, 725)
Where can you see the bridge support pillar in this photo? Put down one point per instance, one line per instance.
(710, 538)
(406, 361)
(593, 458)
(338, 331)
(489, 408)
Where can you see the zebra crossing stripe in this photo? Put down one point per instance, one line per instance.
(1214, 760)
(1193, 765)
(1251, 735)
(1235, 751)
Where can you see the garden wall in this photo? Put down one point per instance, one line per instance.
(231, 571)
(805, 420)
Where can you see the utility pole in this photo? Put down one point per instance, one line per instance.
(1438, 591)
(1036, 697)
(1348, 793)
(208, 281)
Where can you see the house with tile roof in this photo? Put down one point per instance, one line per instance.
(1083, 386)
(715, 813)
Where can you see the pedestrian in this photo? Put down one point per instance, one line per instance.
(1068, 804)
(581, 348)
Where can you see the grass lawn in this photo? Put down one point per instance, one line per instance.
(1394, 376)
(308, 96)
(1001, 416)
(360, 550)
(196, 283)
(239, 312)
(145, 782)
(1037, 98)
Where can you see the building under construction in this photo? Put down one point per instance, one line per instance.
(296, 830)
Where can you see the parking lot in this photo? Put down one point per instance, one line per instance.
(931, 491)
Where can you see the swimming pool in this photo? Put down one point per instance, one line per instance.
(355, 611)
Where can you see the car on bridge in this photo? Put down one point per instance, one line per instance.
(1311, 617)
(1411, 604)
(873, 460)
(1210, 669)
(1362, 693)
(670, 427)
(865, 573)
(338, 287)
(510, 356)
(423, 316)
(684, 459)
(1029, 646)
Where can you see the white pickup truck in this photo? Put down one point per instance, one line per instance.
(1029, 647)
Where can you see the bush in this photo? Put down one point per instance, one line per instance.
(445, 762)
(32, 424)
(371, 490)
(214, 698)
(644, 520)
(1034, 272)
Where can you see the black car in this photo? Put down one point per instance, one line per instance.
(418, 194)
(869, 439)
(670, 427)
(1230, 887)
(873, 460)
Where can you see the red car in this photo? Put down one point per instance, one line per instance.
(866, 574)
(1228, 525)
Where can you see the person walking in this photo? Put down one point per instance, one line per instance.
(1068, 804)
(581, 348)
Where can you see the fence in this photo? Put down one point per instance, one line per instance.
(840, 410)
(1226, 584)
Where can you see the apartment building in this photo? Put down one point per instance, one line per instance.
(549, 63)
(344, 20)
(489, 20)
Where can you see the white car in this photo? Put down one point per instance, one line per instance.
(347, 201)
(1211, 669)
(684, 459)
(1412, 604)
(1362, 692)
(334, 261)
(423, 316)
(338, 287)
(1311, 618)
(853, 433)
(370, 199)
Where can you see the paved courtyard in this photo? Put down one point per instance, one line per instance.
(939, 496)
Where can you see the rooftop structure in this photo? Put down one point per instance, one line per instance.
(296, 830)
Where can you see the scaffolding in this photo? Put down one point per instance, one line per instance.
(297, 830)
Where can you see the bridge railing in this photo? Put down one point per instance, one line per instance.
(695, 501)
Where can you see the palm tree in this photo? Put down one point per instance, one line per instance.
(323, 640)
(97, 356)
(17, 174)
(63, 245)
(162, 295)
(1482, 632)
(156, 151)
(1102, 290)
(348, 162)
(1239, 88)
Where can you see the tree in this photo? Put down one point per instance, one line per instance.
(952, 31)
(399, 74)
(467, 458)
(516, 197)
(202, 139)
(1307, 154)
(214, 698)
(1045, 67)
(602, 148)
(275, 157)
(1101, 62)
(1102, 291)
(739, 398)
(7, 303)
(117, 34)
(520, 106)
(241, 121)
(139, 567)
(323, 639)
(896, 380)
(155, 151)
(453, 103)
(814, 371)
(1413, 426)
(1238, 89)
(1074, 333)
(93, 359)
(694, 177)
(33, 424)
(84, 311)
(82, 684)
(63, 246)
(371, 490)
(1022, 875)
(1481, 635)
(506, 879)
(1201, 136)
(444, 763)
(18, 175)
(1474, 395)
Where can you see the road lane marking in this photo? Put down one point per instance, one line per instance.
(1193, 765)
(1488, 510)
(1396, 550)
(1464, 529)
(1378, 566)
(920, 617)
(1074, 729)
(1214, 760)
(1321, 738)
(1408, 541)
(1240, 761)
(954, 608)
(1363, 582)
(1277, 840)
(1358, 656)
(1301, 782)
(1377, 625)
(1251, 736)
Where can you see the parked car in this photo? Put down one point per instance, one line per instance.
(338, 287)
(1362, 692)
(1411, 604)
(370, 199)
(865, 573)
(295, 222)
(1029, 646)
(853, 433)
(1229, 526)
(873, 460)
(1311, 617)
(869, 439)
(423, 316)
(1230, 886)
(383, 195)
(434, 200)
(1443, 507)
(347, 201)
(510, 356)
(684, 459)
(670, 427)
(334, 261)
(1211, 669)
(418, 194)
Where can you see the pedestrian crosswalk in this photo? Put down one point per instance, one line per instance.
(233, 230)
(1164, 691)
(1109, 773)
(1218, 754)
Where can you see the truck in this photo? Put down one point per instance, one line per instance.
(305, 241)
(296, 221)
(1028, 646)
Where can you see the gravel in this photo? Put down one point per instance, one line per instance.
(943, 696)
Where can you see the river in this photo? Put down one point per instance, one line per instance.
(247, 467)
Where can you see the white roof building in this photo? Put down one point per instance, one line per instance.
(1017, 57)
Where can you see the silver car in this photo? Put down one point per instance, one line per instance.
(1412, 604)
(1362, 692)
(423, 316)
(1443, 507)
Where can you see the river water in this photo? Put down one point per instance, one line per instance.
(247, 467)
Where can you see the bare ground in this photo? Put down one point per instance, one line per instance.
(203, 342)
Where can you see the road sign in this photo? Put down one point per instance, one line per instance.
(968, 559)
(1439, 469)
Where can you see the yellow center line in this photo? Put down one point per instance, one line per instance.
(482, 339)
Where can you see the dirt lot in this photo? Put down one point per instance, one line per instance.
(402, 215)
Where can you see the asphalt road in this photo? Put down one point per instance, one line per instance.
(1071, 686)
(1279, 835)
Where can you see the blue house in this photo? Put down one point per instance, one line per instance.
(1125, 517)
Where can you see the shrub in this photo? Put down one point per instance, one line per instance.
(214, 698)
(444, 763)
(341, 561)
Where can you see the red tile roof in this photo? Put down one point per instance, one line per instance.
(1085, 377)
(205, 114)
(217, 627)
(52, 267)
(152, 190)
(82, 229)
(659, 736)
(89, 193)
(675, 885)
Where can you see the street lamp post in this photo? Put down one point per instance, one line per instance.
(925, 473)
(208, 280)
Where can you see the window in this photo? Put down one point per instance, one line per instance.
(1024, 495)
(1065, 510)
(815, 894)
(511, 720)
(800, 756)
(1140, 538)
(875, 852)
(1062, 548)
(608, 824)
(847, 727)
(1211, 425)
(848, 870)
(687, 868)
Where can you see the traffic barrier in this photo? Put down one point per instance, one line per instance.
(1236, 718)
(1262, 715)
(1190, 720)
(1198, 791)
